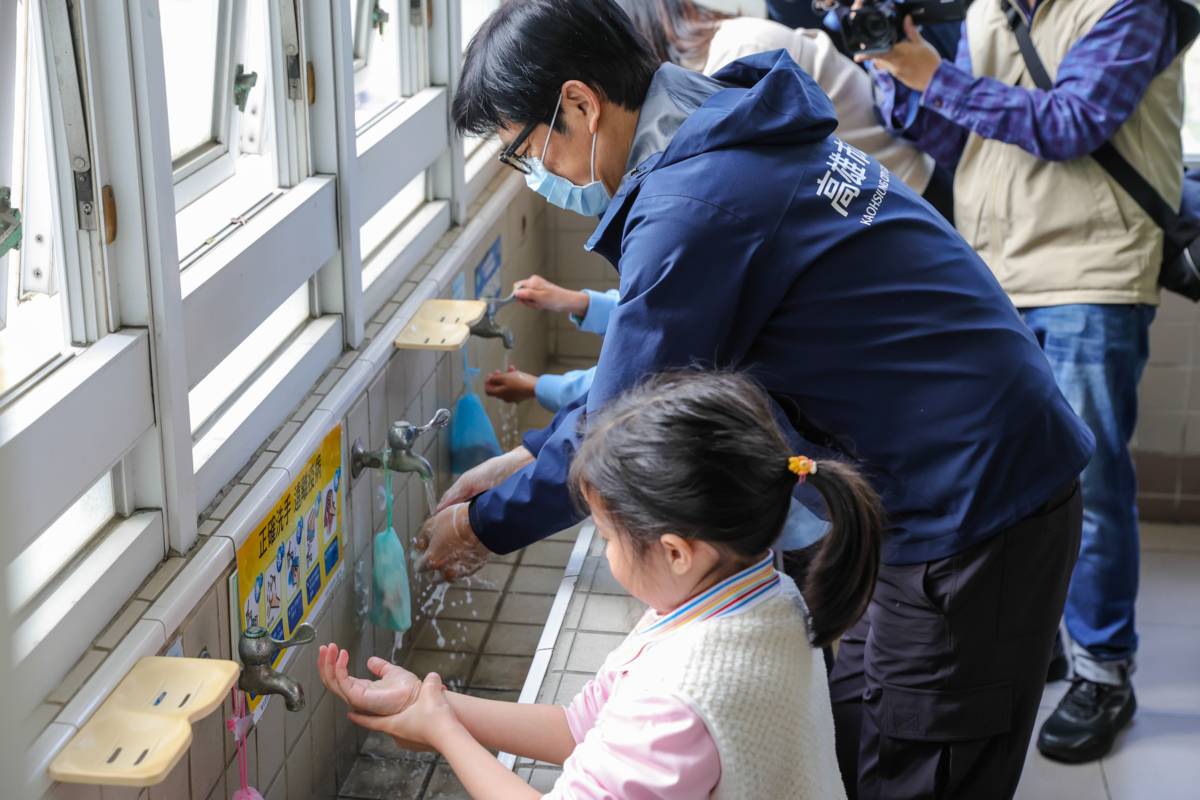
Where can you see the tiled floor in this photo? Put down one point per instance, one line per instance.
(1158, 756)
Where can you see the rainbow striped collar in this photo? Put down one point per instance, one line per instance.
(733, 595)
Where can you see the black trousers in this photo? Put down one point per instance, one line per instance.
(936, 689)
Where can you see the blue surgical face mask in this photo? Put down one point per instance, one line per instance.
(590, 200)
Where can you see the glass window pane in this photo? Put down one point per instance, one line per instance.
(58, 545)
(1191, 129)
(474, 13)
(35, 329)
(229, 377)
(234, 186)
(395, 212)
(377, 86)
(192, 38)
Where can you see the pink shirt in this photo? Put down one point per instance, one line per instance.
(634, 743)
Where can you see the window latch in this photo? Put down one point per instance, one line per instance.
(378, 17)
(291, 49)
(243, 82)
(416, 13)
(10, 224)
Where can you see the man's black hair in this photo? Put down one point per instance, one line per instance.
(516, 64)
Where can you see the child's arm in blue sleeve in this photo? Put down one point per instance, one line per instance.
(555, 391)
(600, 308)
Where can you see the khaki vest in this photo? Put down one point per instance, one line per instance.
(1064, 232)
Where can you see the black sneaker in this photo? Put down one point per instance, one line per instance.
(1086, 722)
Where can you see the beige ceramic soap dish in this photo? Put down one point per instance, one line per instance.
(145, 726)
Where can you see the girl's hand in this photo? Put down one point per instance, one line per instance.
(537, 292)
(425, 723)
(394, 690)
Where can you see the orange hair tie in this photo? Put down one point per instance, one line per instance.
(802, 466)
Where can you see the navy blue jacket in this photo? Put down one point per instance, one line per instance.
(881, 335)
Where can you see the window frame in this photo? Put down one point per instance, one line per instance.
(202, 169)
(163, 477)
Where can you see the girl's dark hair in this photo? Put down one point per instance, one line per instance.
(679, 30)
(516, 64)
(700, 455)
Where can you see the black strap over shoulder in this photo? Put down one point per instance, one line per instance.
(1109, 158)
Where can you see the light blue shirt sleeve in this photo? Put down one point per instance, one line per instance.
(600, 308)
(555, 391)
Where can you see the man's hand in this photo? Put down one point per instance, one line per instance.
(512, 386)
(537, 292)
(487, 475)
(448, 545)
(912, 61)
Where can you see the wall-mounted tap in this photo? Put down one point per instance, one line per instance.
(488, 328)
(257, 650)
(397, 454)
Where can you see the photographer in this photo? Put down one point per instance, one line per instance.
(1075, 253)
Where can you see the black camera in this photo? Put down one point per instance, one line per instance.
(876, 25)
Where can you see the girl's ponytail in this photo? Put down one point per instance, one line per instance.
(841, 575)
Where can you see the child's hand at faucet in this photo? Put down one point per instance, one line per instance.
(427, 722)
(511, 385)
(539, 293)
(394, 689)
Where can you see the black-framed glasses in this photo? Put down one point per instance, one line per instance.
(509, 154)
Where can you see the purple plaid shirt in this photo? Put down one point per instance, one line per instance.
(1098, 87)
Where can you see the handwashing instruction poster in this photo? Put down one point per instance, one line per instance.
(294, 552)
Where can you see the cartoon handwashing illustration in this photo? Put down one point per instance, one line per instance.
(293, 560)
(252, 603)
(330, 514)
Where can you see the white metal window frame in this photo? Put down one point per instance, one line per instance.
(77, 424)
(94, 415)
(199, 171)
(171, 327)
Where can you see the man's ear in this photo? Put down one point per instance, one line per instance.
(584, 100)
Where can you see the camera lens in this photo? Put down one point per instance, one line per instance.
(876, 26)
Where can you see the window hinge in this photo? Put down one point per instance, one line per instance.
(291, 49)
(378, 17)
(10, 225)
(66, 70)
(243, 82)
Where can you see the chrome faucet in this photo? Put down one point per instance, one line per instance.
(397, 454)
(488, 328)
(257, 650)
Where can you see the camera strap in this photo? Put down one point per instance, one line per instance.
(1115, 164)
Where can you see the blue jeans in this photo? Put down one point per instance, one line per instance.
(1098, 354)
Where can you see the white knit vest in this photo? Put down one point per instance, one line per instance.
(760, 688)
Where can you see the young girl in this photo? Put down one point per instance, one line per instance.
(720, 690)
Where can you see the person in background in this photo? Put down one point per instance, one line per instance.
(720, 690)
(747, 236)
(691, 35)
(796, 13)
(1075, 253)
(588, 310)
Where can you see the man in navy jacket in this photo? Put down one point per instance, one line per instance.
(748, 237)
